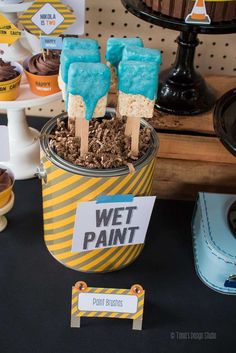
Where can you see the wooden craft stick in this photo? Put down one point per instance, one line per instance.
(78, 127)
(135, 136)
(128, 126)
(44, 58)
(84, 137)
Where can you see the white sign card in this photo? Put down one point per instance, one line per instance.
(108, 303)
(4, 144)
(112, 221)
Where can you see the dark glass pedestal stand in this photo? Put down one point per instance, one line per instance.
(182, 90)
(225, 128)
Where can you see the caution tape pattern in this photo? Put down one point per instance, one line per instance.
(113, 315)
(61, 195)
(26, 18)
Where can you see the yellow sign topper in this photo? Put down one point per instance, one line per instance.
(8, 31)
(107, 302)
(47, 18)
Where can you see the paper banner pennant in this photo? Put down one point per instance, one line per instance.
(47, 18)
(51, 43)
(9, 33)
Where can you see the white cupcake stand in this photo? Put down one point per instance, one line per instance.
(23, 140)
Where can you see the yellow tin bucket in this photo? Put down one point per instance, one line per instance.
(65, 185)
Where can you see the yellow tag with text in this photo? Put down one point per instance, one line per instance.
(9, 33)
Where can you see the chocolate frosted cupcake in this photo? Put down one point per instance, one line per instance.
(6, 183)
(218, 11)
(10, 76)
(5, 180)
(42, 72)
(7, 71)
(50, 66)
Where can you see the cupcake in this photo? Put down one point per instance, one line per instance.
(6, 183)
(10, 77)
(42, 72)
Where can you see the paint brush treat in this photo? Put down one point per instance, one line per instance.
(108, 145)
(88, 86)
(78, 43)
(70, 56)
(142, 54)
(114, 51)
(137, 88)
(42, 72)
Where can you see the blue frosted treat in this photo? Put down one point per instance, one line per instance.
(68, 57)
(79, 43)
(142, 54)
(115, 48)
(77, 55)
(137, 83)
(88, 85)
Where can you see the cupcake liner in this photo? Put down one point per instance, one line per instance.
(10, 90)
(5, 195)
(41, 85)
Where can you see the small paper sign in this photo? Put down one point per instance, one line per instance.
(47, 18)
(4, 144)
(199, 14)
(51, 43)
(9, 33)
(114, 221)
(107, 302)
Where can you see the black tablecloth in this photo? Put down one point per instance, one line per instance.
(181, 313)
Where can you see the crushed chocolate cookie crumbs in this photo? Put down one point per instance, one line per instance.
(108, 145)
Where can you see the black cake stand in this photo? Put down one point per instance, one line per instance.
(225, 128)
(182, 90)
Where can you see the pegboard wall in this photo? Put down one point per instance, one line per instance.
(216, 54)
